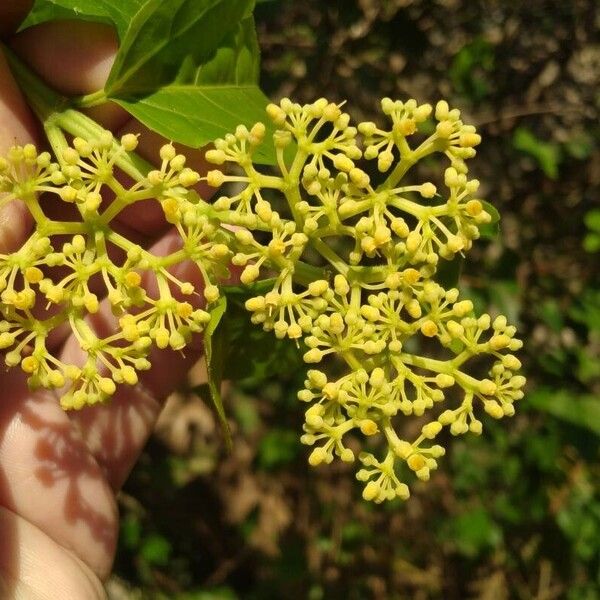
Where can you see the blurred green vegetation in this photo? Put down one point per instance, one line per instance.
(512, 514)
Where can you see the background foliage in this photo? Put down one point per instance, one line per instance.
(514, 514)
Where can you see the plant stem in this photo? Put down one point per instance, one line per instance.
(89, 100)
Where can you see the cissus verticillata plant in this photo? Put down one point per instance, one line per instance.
(340, 251)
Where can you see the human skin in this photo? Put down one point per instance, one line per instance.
(59, 472)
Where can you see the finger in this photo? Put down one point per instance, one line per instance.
(17, 126)
(48, 477)
(75, 58)
(12, 13)
(32, 563)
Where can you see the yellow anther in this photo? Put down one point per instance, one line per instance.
(429, 328)
(411, 276)
(368, 427)
(33, 275)
(416, 462)
(473, 207)
(184, 309)
(30, 364)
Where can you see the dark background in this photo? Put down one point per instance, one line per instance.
(513, 514)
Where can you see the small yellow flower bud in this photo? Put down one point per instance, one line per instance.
(476, 427)
(317, 378)
(161, 337)
(249, 274)
(276, 114)
(493, 409)
(317, 456)
(106, 386)
(468, 140)
(444, 380)
(215, 178)
(518, 381)
(431, 429)
(403, 449)
(294, 331)
(371, 491)
(487, 387)
(413, 241)
(347, 455)
(129, 375)
(342, 163)
(359, 177)
(189, 177)
(211, 293)
(56, 379)
(129, 142)
(463, 308)
(369, 312)
(413, 308)
(70, 156)
(428, 190)
(78, 244)
(216, 157)
(444, 129)
(314, 355)
(497, 342)
(167, 152)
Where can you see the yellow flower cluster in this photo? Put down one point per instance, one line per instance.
(69, 270)
(375, 305)
(351, 241)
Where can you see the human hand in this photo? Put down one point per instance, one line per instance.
(59, 472)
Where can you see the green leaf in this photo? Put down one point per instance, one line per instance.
(490, 231)
(214, 355)
(119, 13)
(591, 243)
(166, 34)
(156, 550)
(237, 60)
(277, 448)
(592, 220)
(448, 272)
(474, 532)
(196, 115)
(270, 356)
(546, 154)
(582, 411)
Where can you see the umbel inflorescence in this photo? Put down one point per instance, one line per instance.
(352, 265)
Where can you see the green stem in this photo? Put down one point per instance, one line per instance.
(89, 100)
(57, 139)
